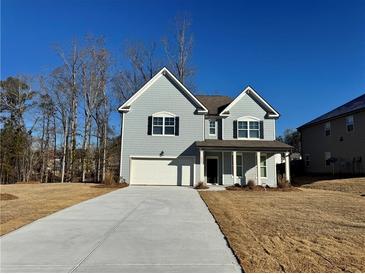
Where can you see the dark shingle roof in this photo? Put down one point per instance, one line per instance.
(247, 145)
(352, 106)
(214, 103)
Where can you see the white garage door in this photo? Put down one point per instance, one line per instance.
(150, 171)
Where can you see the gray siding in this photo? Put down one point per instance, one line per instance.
(161, 96)
(248, 107)
(315, 143)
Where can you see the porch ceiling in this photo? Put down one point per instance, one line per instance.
(246, 145)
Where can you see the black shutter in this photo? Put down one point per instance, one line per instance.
(235, 129)
(261, 129)
(149, 125)
(177, 125)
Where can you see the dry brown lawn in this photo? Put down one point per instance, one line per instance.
(308, 230)
(353, 185)
(22, 204)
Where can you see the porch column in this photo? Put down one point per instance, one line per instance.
(201, 162)
(258, 160)
(234, 156)
(287, 167)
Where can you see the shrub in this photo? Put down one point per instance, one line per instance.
(251, 184)
(109, 179)
(283, 184)
(201, 185)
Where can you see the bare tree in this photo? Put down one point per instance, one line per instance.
(142, 64)
(94, 73)
(72, 66)
(60, 94)
(179, 49)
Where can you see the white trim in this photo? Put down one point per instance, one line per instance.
(206, 166)
(234, 165)
(248, 90)
(121, 149)
(222, 128)
(258, 165)
(164, 114)
(222, 155)
(201, 166)
(287, 166)
(162, 72)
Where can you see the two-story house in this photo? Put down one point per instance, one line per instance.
(334, 143)
(171, 137)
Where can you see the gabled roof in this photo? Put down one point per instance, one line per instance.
(251, 92)
(214, 103)
(352, 106)
(163, 72)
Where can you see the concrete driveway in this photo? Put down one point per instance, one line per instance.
(137, 229)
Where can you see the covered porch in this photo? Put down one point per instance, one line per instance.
(227, 162)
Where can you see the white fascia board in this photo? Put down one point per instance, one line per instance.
(162, 72)
(247, 90)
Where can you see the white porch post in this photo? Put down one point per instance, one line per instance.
(287, 167)
(201, 165)
(258, 160)
(234, 155)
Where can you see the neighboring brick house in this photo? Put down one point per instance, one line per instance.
(334, 143)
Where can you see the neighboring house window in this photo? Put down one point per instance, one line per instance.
(350, 123)
(263, 166)
(248, 128)
(327, 157)
(212, 127)
(327, 128)
(307, 160)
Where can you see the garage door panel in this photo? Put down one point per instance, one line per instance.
(149, 171)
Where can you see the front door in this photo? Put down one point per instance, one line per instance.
(212, 171)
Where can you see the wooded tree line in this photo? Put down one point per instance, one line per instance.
(56, 127)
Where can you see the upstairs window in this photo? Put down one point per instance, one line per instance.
(350, 123)
(163, 123)
(327, 129)
(157, 125)
(212, 127)
(169, 126)
(248, 128)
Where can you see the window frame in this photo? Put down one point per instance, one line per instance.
(347, 118)
(164, 115)
(327, 128)
(263, 166)
(210, 127)
(248, 120)
(238, 154)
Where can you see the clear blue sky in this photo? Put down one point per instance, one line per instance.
(304, 57)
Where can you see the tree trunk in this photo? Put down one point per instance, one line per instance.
(64, 154)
